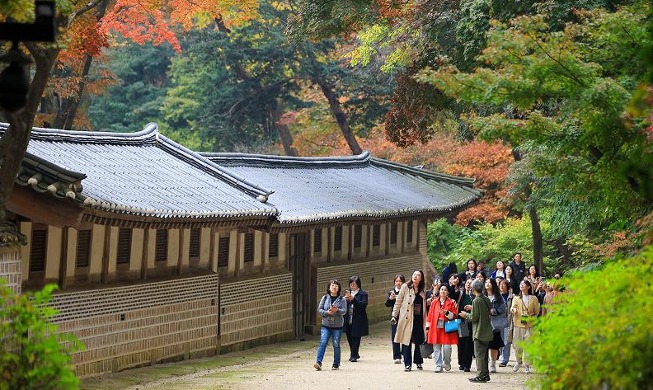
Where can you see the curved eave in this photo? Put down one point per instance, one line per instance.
(373, 215)
(174, 214)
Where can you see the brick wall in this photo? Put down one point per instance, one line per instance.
(255, 311)
(10, 267)
(142, 324)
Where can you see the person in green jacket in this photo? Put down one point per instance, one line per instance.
(478, 313)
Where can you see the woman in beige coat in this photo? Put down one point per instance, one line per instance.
(409, 313)
(524, 308)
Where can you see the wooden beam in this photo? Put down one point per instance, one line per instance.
(44, 208)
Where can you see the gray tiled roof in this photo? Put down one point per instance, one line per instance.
(357, 187)
(142, 174)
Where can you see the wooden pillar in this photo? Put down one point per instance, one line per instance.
(63, 267)
(104, 276)
(146, 246)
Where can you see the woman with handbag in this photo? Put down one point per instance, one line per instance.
(465, 342)
(332, 308)
(409, 313)
(443, 309)
(498, 320)
(525, 308)
(390, 302)
(506, 294)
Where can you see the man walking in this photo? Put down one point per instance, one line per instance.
(478, 313)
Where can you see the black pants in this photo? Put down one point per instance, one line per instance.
(396, 347)
(408, 360)
(354, 345)
(465, 351)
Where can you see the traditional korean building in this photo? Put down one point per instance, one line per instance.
(162, 253)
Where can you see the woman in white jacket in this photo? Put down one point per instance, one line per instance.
(409, 313)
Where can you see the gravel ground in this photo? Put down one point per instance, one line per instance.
(289, 366)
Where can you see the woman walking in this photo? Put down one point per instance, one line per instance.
(498, 320)
(465, 342)
(442, 309)
(409, 313)
(332, 308)
(525, 307)
(390, 302)
(356, 323)
(506, 294)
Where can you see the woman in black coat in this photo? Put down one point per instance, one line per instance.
(356, 324)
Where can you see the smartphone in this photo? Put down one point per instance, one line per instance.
(542, 279)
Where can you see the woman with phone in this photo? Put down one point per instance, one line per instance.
(356, 323)
(332, 308)
(442, 309)
(409, 313)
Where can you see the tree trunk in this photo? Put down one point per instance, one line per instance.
(538, 256)
(276, 113)
(13, 144)
(339, 114)
(536, 229)
(68, 110)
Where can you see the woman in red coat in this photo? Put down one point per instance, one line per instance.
(442, 310)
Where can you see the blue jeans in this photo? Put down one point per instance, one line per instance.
(325, 334)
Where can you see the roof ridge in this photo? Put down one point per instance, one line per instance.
(460, 180)
(145, 136)
(286, 161)
(206, 164)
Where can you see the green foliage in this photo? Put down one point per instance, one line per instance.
(490, 243)
(560, 97)
(31, 353)
(137, 99)
(600, 334)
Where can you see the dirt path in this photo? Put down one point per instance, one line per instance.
(289, 366)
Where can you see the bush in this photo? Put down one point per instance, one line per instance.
(31, 354)
(600, 333)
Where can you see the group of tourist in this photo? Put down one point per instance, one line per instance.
(340, 312)
(480, 311)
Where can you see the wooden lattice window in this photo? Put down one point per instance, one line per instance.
(358, 236)
(393, 233)
(376, 235)
(337, 239)
(194, 250)
(274, 245)
(317, 241)
(83, 248)
(249, 248)
(124, 246)
(223, 250)
(409, 231)
(161, 249)
(38, 250)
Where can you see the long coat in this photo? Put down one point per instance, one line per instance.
(403, 311)
(359, 325)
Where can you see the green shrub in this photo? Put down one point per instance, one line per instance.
(31, 354)
(600, 333)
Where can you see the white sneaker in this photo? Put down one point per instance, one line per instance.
(397, 361)
(438, 369)
(516, 367)
(493, 367)
(527, 369)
